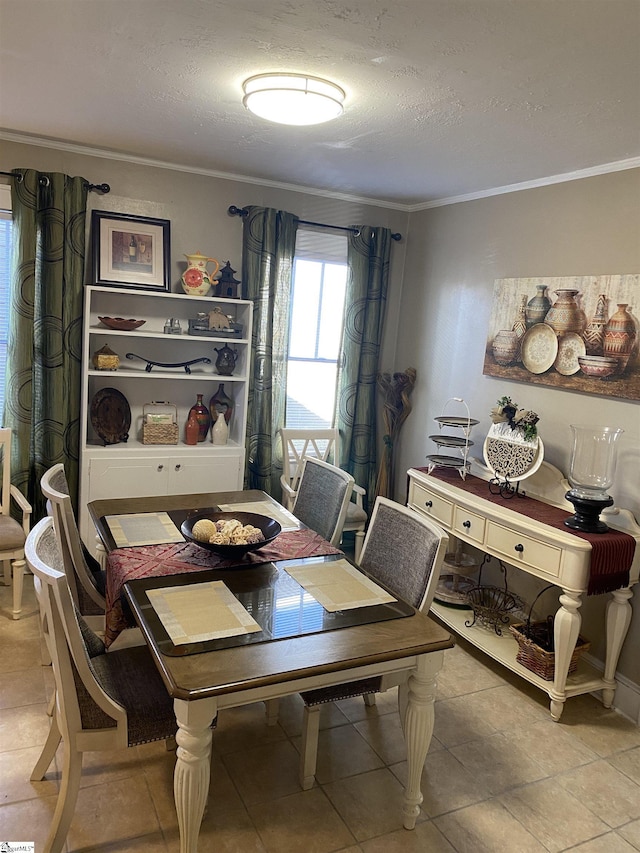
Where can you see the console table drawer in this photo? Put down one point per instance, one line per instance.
(469, 524)
(433, 505)
(522, 549)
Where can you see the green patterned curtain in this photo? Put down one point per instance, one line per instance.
(44, 347)
(269, 239)
(367, 279)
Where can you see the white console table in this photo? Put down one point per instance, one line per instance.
(555, 556)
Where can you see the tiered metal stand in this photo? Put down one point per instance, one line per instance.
(459, 442)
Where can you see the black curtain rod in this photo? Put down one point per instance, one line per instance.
(242, 211)
(43, 180)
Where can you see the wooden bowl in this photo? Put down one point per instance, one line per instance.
(120, 324)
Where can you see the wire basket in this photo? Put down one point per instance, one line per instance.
(491, 605)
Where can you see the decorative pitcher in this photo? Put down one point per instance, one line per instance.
(196, 279)
(226, 360)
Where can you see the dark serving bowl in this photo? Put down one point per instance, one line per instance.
(269, 527)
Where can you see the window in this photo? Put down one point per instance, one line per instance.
(317, 313)
(5, 259)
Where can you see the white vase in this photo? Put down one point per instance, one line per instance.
(220, 430)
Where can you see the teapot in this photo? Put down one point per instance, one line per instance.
(196, 279)
(226, 360)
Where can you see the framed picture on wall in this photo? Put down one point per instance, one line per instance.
(130, 251)
(578, 333)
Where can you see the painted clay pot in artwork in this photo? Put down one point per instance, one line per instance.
(538, 306)
(620, 337)
(594, 333)
(520, 324)
(506, 347)
(565, 314)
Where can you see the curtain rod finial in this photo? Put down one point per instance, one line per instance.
(237, 211)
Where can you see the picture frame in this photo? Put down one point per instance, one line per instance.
(130, 251)
(577, 333)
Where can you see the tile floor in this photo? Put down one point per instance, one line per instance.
(500, 775)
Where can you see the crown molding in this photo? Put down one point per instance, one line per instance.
(106, 154)
(44, 142)
(604, 169)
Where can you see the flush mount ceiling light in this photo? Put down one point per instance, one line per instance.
(293, 98)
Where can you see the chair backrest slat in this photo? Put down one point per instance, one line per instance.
(323, 444)
(5, 453)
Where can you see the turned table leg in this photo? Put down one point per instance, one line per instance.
(618, 619)
(193, 763)
(566, 628)
(417, 722)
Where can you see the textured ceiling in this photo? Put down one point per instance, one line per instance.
(444, 97)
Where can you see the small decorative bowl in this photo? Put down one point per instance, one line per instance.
(269, 526)
(120, 324)
(598, 366)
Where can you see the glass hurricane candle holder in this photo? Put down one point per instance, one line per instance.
(593, 465)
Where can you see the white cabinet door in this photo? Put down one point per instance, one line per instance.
(127, 477)
(191, 474)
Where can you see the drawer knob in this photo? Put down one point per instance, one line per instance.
(519, 548)
(466, 524)
(178, 467)
(428, 504)
(160, 467)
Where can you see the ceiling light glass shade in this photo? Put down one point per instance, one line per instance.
(293, 98)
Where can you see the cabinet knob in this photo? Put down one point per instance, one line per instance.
(428, 504)
(178, 466)
(466, 524)
(519, 548)
(160, 467)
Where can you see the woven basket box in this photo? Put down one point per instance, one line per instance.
(159, 433)
(538, 660)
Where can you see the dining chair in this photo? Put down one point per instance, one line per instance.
(322, 444)
(323, 494)
(86, 579)
(404, 551)
(12, 533)
(104, 701)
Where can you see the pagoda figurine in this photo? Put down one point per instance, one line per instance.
(226, 284)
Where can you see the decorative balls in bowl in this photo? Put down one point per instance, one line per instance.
(599, 366)
(230, 534)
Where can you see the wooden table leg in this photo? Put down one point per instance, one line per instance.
(566, 628)
(417, 723)
(193, 763)
(618, 619)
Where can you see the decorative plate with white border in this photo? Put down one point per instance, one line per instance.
(570, 347)
(511, 458)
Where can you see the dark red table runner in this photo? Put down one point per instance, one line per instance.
(611, 553)
(127, 564)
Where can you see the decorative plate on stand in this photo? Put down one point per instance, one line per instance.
(511, 458)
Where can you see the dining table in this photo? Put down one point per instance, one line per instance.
(283, 640)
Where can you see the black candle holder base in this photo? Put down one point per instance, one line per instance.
(586, 518)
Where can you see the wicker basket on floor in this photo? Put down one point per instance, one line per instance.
(535, 658)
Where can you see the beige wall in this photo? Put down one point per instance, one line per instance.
(454, 254)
